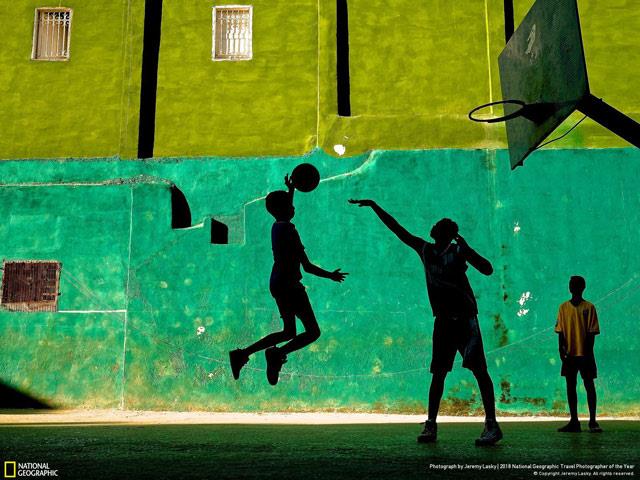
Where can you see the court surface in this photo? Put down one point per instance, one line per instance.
(192, 447)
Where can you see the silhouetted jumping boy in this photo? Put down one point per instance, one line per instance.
(288, 292)
(455, 311)
(577, 327)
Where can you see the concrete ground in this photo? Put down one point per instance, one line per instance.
(132, 445)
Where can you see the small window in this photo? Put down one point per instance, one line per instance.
(232, 37)
(51, 34)
(30, 286)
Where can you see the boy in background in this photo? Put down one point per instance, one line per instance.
(577, 327)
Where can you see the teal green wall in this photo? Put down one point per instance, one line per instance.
(416, 70)
(577, 213)
(86, 106)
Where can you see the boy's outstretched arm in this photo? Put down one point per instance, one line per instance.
(336, 275)
(474, 258)
(391, 223)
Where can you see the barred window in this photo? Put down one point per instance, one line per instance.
(232, 32)
(51, 34)
(30, 286)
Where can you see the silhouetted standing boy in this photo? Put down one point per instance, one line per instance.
(286, 289)
(455, 310)
(577, 327)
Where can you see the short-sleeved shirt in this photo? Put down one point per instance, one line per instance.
(450, 293)
(574, 322)
(287, 254)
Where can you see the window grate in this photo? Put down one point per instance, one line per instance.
(232, 33)
(52, 34)
(30, 286)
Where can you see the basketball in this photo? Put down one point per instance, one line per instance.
(305, 177)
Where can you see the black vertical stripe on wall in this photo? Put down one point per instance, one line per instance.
(508, 20)
(342, 67)
(149, 78)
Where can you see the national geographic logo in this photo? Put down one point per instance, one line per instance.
(20, 470)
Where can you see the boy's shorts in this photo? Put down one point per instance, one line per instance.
(586, 365)
(292, 301)
(457, 334)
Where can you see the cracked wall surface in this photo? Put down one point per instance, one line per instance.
(148, 313)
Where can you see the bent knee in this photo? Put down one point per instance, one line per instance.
(313, 333)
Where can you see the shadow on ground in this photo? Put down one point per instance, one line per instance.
(12, 399)
(309, 451)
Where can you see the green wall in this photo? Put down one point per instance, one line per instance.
(568, 212)
(265, 106)
(86, 106)
(416, 70)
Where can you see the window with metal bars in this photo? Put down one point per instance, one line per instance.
(30, 286)
(232, 32)
(51, 34)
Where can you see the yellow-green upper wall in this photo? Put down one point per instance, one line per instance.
(84, 107)
(416, 69)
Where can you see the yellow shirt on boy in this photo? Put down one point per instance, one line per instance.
(574, 323)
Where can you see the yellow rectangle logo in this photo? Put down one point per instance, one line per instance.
(8, 468)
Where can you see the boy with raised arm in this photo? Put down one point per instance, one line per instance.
(286, 289)
(577, 327)
(455, 311)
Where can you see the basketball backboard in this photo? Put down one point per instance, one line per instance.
(542, 65)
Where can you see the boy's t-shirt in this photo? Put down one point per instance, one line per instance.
(574, 323)
(287, 253)
(449, 290)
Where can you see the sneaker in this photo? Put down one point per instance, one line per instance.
(237, 359)
(572, 427)
(490, 435)
(594, 427)
(275, 360)
(430, 432)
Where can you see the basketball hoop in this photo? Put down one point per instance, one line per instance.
(504, 118)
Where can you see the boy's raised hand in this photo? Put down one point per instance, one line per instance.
(362, 203)
(461, 241)
(337, 275)
(288, 182)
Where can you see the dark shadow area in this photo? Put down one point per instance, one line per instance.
(149, 77)
(342, 58)
(310, 451)
(180, 211)
(12, 399)
(219, 232)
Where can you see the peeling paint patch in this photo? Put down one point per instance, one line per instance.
(164, 284)
(524, 298)
(505, 395)
(339, 149)
(516, 227)
(501, 330)
(536, 401)
(200, 330)
(377, 366)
